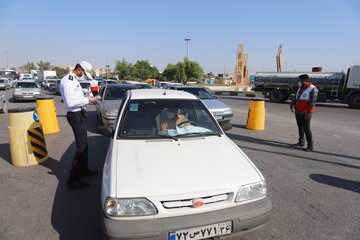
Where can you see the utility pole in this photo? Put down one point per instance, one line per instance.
(6, 59)
(187, 47)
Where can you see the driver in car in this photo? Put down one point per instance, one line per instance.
(170, 118)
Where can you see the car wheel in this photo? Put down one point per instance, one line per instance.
(277, 96)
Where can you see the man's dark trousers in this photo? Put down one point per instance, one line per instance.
(77, 122)
(303, 122)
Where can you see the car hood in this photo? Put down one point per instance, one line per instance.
(214, 104)
(112, 105)
(160, 168)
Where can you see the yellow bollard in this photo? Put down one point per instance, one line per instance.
(46, 111)
(26, 139)
(256, 115)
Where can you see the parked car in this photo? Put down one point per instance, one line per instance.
(4, 84)
(221, 111)
(56, 89)
(139, 85)
(49, 84)
(26, 90)
(111, 97)
(169, 85)
(161, 185)
(2, 103)
(160, 84)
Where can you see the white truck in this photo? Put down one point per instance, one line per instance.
(46, 74)
(278, 86)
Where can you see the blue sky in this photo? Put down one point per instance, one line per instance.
(313, 33)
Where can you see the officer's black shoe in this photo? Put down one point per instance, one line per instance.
(309, 149)
(77, 183)
(88, 173)
(299, 144)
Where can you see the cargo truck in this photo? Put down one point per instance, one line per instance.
(279, 86)
(46, 74)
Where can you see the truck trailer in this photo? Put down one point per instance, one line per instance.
(279, 86)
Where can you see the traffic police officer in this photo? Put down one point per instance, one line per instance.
(304, 106)
(75, 101)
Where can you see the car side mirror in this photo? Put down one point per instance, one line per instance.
(105, 131)
(226, 126)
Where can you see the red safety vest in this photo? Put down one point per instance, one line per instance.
(303, 102)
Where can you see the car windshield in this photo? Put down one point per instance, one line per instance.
(26, 85)
(144, 119)
(115, 92)
(202, 93)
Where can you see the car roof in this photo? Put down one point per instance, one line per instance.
(160, 94)
(127, 86)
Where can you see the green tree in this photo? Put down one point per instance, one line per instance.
(61, 72)
(169, 73)
(124, 69)
(44, 66)
(28, 67)
(142, 70)
(180, 73)
(184, 71)
(193, 70)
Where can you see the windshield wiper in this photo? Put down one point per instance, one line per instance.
(199, 134)
(148, 136)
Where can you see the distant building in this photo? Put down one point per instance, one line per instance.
(241, 70)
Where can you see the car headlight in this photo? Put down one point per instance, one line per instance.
(129, 207)
(251, 191)
(228, 111)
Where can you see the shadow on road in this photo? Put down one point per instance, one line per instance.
(337, 182)
(76, 212)
(5, 152)
(282, 144)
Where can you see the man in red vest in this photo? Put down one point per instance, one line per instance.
(303, 105)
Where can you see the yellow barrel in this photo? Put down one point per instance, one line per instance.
(46, 111)
(256, 115)
(26, 138)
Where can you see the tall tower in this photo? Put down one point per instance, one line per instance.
(241, 75)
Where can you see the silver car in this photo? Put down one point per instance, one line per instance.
(26, 90)
(111, 97)
(4, 84)
(2, 103)
(222, 112)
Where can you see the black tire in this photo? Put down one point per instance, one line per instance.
(354, 101)
(277, 96)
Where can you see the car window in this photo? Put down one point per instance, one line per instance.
(114, 93)
(143, 119)
(26, 85)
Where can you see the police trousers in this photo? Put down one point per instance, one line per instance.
(303, 122)
(77, 122)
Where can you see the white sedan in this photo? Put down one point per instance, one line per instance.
(189, 182)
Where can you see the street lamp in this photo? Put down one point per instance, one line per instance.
(187, 47)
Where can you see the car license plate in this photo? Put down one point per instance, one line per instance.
(218, 117)
(203, 232)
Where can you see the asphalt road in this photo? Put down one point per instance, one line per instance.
(315, 195)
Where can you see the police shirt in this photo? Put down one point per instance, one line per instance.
(72, 93)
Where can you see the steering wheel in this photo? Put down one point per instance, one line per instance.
(186, 121)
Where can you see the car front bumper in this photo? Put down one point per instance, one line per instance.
(26, 97)
(244, 218)
(224, 117)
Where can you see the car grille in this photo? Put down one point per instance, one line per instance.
(188, 203)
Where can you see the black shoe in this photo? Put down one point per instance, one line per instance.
(299, 144)
(78, 183)
(309, 149)
(88, 173)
